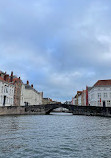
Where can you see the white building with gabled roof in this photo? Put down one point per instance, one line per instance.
(100, 94)
(30, 96)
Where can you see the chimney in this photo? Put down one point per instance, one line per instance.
(32, 85)
(11, 77)
(5, 77)
(12, 73)
(27, 82)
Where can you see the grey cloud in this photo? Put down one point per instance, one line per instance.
(60, 46)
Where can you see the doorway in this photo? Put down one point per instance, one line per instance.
(4, 100)
(104, 104)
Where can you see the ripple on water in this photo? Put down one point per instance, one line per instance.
(55, 136)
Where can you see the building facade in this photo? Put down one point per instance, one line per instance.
(6, 93)
(100, 94)
(17, 91)
(77, 100)
(80, 99)
(29, 96)
(83, 98)
(14, 93)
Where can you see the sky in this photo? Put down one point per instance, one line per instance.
(60, 46)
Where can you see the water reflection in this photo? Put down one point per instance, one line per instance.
(14, 123)
(61, 113)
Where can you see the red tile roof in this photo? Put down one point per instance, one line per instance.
(15, 79)
(103, 83)
(1, 79)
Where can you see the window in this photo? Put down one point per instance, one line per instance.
(99, 95)
(6, 89)
(22, 99)
(108, 102)
(105, 95)
(99, 103)
(1, 99)
(2, 89)
(92, 96)
(11, 101)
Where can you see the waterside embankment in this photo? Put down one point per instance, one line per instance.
(46, 109)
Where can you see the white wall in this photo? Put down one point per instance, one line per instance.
(31, 96)
(79, 100)
(96, 93)
(74, 101)
(84, 99)
(6, 89)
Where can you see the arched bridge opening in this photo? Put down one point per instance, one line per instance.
(49, 108)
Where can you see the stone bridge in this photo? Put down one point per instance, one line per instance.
(46, 109)
(50, 107)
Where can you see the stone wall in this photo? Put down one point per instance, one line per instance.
(11, 110)
(46, 109)
(92, 111)
(22, 110)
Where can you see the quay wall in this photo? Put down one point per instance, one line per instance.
(92, 111)
(46, 109)
(22, 110)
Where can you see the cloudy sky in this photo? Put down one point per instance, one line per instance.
(58, 45)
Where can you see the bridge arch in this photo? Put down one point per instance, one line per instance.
(51, 107)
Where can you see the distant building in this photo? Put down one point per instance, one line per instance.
(77, 100)
(68, 102)
(83, 98)
(100, 94)
(30, 96)
(49, 101)
(74, 100)
(61, 109)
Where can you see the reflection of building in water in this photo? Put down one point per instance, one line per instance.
(14, 123)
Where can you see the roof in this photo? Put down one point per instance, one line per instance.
(102, 83)
(1, 72)
(28, 87)
(1, 79)
(15, 79)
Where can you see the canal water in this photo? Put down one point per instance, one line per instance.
(57, 135)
